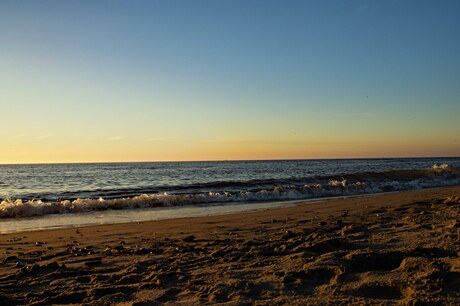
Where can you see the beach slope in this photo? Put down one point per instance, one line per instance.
(390, 248)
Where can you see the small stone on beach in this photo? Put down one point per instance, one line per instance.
(188, 238)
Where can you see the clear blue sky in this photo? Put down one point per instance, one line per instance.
(194, 80)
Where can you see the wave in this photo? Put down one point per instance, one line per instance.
(436, 172)
(327, 186)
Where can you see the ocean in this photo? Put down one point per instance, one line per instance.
(62, 195)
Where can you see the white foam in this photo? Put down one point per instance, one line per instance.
(336, 183)
(441, 167)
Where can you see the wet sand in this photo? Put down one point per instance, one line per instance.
(400, 248)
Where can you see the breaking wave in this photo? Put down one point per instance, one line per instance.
(250, 191)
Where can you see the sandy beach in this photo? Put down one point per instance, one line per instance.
(398, 248)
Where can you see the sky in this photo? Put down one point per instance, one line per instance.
(109, 81)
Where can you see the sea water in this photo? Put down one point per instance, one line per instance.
(61, 195)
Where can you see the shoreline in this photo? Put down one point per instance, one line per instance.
(198, 219)
(136, 215)
(385, 248)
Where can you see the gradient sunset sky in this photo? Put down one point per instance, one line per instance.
(90, 81)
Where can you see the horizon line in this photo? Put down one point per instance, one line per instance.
(220, 160)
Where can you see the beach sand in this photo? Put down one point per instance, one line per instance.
(398, 248)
